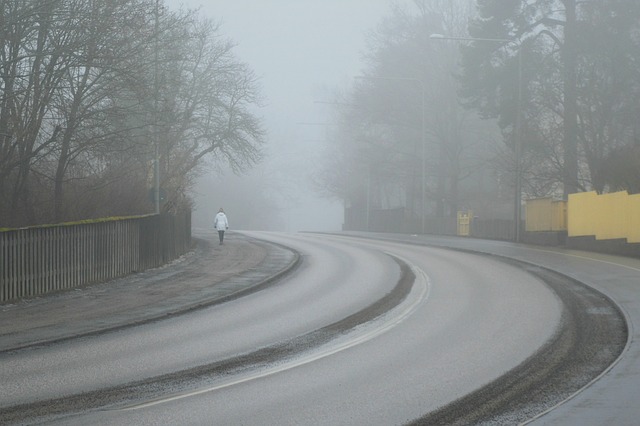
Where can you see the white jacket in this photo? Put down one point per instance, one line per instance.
(221, 223)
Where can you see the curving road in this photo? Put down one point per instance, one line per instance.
(363, 332)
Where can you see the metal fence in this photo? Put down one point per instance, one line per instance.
(493, 229)
(39, 260)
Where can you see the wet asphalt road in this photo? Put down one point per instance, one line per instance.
(318, 346)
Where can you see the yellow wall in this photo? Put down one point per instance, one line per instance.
(634, 219)
(606, 216)
(582, 217)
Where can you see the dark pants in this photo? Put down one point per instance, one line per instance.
(221, 235)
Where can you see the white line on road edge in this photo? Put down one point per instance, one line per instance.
(419, 294)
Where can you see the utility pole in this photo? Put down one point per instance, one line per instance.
(517, 203)
(156, 161)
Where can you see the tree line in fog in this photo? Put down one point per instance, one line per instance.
(440, 122)
(94, 94)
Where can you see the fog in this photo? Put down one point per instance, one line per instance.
(456, 110)
(302, 51)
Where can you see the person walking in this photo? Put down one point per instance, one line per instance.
(221, 224)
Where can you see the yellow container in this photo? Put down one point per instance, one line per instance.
(464, 223)
(545, 214)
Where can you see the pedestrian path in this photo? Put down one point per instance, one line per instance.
(208, 275)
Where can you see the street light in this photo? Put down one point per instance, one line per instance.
(423, 129)
(156, 155)
(517, 208)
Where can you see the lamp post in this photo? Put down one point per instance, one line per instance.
(517, 208)
(156, 155)
(422, 132)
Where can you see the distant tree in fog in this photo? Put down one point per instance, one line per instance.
(621, 169)
(377, 161)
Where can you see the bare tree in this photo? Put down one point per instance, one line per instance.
(34, 59)
(205, 106)
(105, 37)
(90, 88)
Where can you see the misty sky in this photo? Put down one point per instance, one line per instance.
(302, 50)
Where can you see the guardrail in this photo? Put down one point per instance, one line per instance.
(40, 260)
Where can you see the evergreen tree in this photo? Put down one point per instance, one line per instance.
(579, 80)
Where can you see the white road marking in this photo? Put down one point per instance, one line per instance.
(418, 295)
